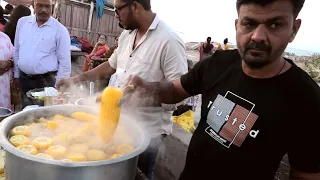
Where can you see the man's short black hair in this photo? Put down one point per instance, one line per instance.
(297, 4)
(145, 3)
(8, 7)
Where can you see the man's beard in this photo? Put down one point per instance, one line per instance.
(262, 58)
(120, 25)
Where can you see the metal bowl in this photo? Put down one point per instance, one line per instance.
(22, 166)
(4, 112)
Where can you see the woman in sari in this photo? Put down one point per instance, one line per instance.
(99, 49)
(6, 64)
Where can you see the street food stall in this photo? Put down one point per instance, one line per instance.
(25, 154)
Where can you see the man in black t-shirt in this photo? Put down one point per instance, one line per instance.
(256, 105)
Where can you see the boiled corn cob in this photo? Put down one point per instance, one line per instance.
(21, 130)
(29, 149)
(18, 140)
(76, 157)
(52, 125)
(42, 142)
(57, 152)
(44, 156)
(83, 116)
(96, 155)
(109, 112)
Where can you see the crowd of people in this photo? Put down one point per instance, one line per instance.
(250, 115)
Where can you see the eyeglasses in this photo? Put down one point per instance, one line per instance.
(117, 10)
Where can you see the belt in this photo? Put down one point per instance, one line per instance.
(33, 76)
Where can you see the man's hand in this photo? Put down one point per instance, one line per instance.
(139, 92)
(16, 84)
(66, 83)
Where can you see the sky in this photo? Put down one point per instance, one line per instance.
(198, 19)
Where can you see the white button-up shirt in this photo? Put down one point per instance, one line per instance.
(39, 50)
(160, 55)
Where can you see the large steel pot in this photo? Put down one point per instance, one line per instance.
(21, 166)
(4, 112)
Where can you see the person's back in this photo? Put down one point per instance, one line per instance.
(206, 49)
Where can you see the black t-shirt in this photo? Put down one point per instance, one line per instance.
(247, 125)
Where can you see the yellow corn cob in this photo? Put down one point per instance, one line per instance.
(44, 156)
(60, 117)
(83, 116)
(114, 156)
(29, 149)
(61, 139)
(57, 152)
(96, 155)
(42, 142)
(18, 140)
(76, 157)
(52, 125)
(21, 130)
(109, 112)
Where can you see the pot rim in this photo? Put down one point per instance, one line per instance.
(8, 147)
(9, 114)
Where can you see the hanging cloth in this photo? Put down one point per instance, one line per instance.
(100, 7)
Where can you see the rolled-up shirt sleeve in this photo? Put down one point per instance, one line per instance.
(63, 55)
(113, 60)
(16, 70)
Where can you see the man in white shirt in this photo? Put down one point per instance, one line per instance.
(148, 48)
(42, 51)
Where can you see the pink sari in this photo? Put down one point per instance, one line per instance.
(6, 53)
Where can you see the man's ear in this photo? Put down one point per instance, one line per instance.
(235, 24)
(135, 7)
(295, 29)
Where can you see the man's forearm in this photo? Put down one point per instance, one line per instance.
(163, 92)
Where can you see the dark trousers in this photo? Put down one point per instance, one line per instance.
(147, 159)
(28, 82)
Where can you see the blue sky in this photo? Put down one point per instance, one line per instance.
(198, 19)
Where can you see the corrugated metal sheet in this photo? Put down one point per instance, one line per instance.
(75, 17)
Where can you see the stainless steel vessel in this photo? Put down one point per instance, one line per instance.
(21, 166)
(4, 112)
